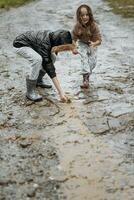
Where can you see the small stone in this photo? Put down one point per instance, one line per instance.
(31, 193)
(51, 178)
(11, 88)
(25, 144)
(35, 185)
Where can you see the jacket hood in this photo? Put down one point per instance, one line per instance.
(60, 37)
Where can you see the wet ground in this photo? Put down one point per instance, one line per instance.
(77, 151)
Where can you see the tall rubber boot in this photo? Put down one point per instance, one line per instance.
(85, 81)
(40, 82)
(31, 93)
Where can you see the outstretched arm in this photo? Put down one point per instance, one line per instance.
(74, 50)
(65, 47)
(63, 97)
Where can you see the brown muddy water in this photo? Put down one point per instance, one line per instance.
(78, 151)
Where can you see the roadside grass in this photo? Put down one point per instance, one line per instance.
(122, 7)
(12, 3)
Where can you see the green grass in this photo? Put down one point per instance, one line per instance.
(123, 7)
(12, 3)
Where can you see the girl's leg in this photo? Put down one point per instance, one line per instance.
(85, 70)
(92, 58)
(85, 81)
(91, 63)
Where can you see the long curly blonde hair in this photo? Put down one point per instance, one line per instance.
(89, 10)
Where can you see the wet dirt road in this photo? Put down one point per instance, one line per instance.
(77, 151)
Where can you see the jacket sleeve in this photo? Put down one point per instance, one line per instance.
(49, 68)
(96, 35)
(75, 33)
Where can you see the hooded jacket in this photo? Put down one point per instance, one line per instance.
(42, 42)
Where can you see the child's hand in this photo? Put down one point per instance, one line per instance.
(55, 50)
(92, 44)
(75, 51)
(65, 99)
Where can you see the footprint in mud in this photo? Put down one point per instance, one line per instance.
(87, 96)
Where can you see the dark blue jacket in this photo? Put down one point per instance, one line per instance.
(42, 42)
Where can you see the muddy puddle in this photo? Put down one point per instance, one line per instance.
(77, 151)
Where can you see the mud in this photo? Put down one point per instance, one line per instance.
(77, 151)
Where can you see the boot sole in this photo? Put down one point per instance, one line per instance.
(84, 87)
(36, 100)
(41, 86)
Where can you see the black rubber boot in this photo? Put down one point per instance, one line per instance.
(40, 82)
(31, 93)
(85, 81)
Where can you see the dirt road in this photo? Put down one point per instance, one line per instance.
(77, 151)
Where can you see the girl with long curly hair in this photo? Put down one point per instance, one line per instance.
(86, 36)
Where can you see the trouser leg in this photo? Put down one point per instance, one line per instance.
(85, 80)
(35, 61)
(40, 82)
(88, 62)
